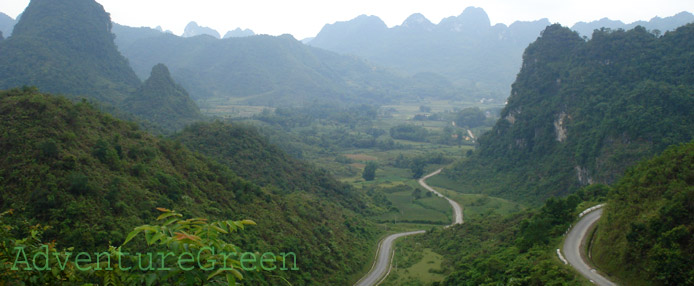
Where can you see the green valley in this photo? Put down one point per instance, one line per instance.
(344, 159)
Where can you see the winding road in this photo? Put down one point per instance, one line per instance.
(384, 254)
(457, 209)
(573, 245)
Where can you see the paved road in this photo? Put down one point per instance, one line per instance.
(572, 245)
(381, 267)
(457, 210)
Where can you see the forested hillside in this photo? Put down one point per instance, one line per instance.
(66, 47)
(252, 157)
(646, 235)
(91, 178)
(582, 111)
(163, 102)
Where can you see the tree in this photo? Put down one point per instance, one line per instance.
(417, 168)
(417, 193)
(369, 173)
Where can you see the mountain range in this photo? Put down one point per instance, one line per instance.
(486, 58)
(657, 23)
(193, 29)
(466, 49)
(239, 33)
(267, 70)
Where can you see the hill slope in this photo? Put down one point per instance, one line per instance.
(163, 102)
(646, 235)
(582, 112)
(92, 178)
(66, 47)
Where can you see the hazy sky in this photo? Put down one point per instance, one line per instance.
(305, 18)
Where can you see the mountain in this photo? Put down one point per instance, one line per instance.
(269, 71)
(92, 178)
(192, 30)
(163, 102)
(645, 236)
(360, 34)
(582, 112)
(66, 47)
(6, 24)
(238, 33)
(657, 23)
(479, 58)
(126, 36)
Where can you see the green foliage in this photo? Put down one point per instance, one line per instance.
(66, 47)
(196, 235)
(369, 173)
(409, 132)
(217, 259)
(645, 237)
(470, 117)
(108, 176)
(583, 111)
(514, 249)
(163, 102)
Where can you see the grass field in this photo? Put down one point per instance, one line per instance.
(432, 210)
(414, 266)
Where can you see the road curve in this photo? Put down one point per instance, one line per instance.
(381, 267)
(572, 248)
(457, 210)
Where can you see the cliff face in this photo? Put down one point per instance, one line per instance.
(584, 111)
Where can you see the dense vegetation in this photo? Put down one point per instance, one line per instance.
(646, 236)
(163, 102)
(253, 158)
(92, 178)
(66, 47)
(583, 111)
(516, 249)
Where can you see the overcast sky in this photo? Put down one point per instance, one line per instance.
(305, 18)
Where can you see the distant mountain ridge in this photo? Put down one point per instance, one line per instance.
(466, 49)
(469, 51)
(193, 29)
(6, 24)
(238, 33)
(657, 23)
(267, 70)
